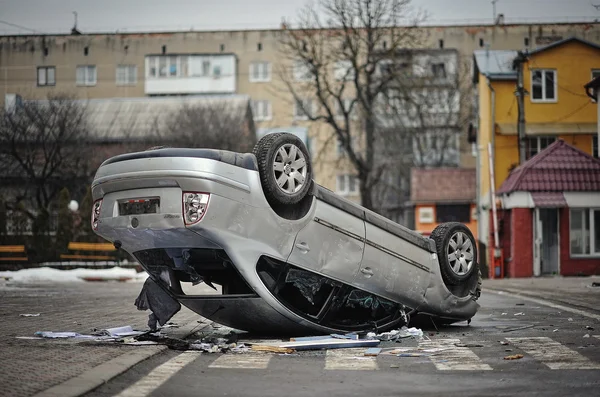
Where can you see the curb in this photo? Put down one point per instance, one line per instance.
(99, 375)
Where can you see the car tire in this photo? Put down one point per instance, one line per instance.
(284, 167)
(456, 251)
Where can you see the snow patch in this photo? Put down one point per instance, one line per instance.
(47, 274)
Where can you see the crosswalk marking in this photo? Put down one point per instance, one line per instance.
(247, 360)
(158, 376)
(453, 358)
(349, 359)
(553, 354)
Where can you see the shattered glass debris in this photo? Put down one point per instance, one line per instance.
(308, 283)
(368, 301)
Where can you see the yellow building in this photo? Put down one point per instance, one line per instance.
(555, 107)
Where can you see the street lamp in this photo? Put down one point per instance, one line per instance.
(73, 205)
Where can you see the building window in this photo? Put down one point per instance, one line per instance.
(543, 85)
(425, 215)
(438, 70)
(46, 75)
(534, 145)
(259, 47)
(302, 71)
(343, 70)
(261, 110)
(441, 43)
(86, 75)
(453, 213)
(126, 74)
(176, 66)
(346, 185)
(260, 72)
(303, 109)
(595, 146)
(584, 232)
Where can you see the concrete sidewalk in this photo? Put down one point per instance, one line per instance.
(32, 366)
(574, 291)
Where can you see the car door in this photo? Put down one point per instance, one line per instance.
(332, 243)
(393, 268)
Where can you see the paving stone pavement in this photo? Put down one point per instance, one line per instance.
(30, 366)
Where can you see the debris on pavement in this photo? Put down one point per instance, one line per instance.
(396, 334)
(519, 328)
(372, 352)
(468, 345)
(514, 357)
(595, 284)
(272, 349)
(589, 327)
(29, 314)
(519, 314)
(586, 335)
(120, 332)
(504, 343)
(160, 303)
(61, 335)
(555, 330)
(330, 343)
(569, 319)
(413, 355)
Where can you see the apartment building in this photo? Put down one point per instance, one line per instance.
(226, 62)
(557, 110)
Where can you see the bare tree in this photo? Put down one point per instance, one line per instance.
(340, 56)
(423, 115)
(43, 149)
(218, 125)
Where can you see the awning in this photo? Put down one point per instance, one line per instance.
(534, 129)
(549, 199)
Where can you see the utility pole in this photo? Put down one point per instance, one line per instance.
(520, 94)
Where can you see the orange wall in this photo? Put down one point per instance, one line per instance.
(427, 228)
(573, 63)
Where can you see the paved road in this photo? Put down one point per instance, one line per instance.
(554, 363)
(557, 361)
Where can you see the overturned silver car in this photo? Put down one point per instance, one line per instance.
(287, 255)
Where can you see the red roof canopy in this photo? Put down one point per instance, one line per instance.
(558, 168)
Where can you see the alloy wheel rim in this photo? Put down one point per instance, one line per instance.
(290, 168)
(460, 253)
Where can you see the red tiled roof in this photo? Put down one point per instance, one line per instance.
(558, 168)
(549, 199)
(442, 185)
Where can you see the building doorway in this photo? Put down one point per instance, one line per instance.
(546, 251)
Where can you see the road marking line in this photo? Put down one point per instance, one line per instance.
(546, 303)
(454, 358)
(553, 354)
(159, 375)
(349, 359)
(243, 361)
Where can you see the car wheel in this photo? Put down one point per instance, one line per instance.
(284, 168)
(457, 252)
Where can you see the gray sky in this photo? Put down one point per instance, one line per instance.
(55, 16)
